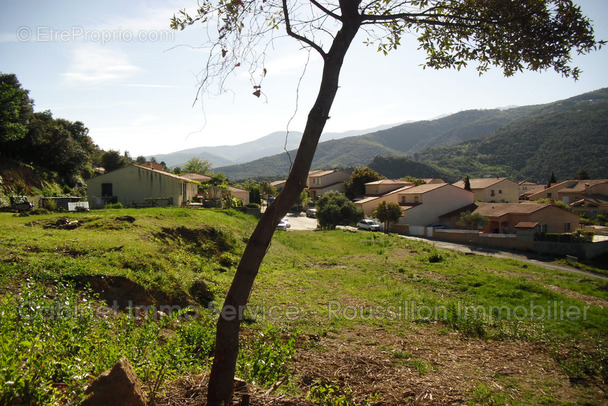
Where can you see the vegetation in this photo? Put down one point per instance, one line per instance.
(184, 260)
(534, 146)
(387, 212)
(471, 221)
(334, 208)
(196, 165)
(355, 185)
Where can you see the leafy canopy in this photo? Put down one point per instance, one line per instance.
(525, 35)
(387, 212)
(334, 208)
(355, 185)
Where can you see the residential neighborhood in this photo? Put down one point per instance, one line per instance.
(516, 212)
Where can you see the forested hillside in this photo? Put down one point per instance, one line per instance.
(562, 137)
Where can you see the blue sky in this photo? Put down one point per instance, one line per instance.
(117, 67)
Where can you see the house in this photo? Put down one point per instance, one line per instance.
(241, 194)
(500, 190)
(507, 218)
(524, 187)
(369, 203)
(422, 205)
(383, 186)
(153, 165)
(321, 181)
(579, 189)
(278, 184)
(584, 196)
(433, 181)
(197, 177)
(138, 185)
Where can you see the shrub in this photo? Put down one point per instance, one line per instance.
(114, 206)
(334, 208)
(48, 204)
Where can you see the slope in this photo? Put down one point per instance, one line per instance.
(562, 137)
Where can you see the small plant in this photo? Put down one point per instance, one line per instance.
(113, 206)
(331, 394)
(263, 360)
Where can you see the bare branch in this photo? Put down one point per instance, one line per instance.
(325, 10)
(297, 36)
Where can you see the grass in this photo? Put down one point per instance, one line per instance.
(311, 284)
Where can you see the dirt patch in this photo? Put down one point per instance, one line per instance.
(427, 365)
(63, 223)
(123, 293)
(590, 300)
(192, 390)
(431, 365)
(208, 241)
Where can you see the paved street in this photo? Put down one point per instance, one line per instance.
(301, 222)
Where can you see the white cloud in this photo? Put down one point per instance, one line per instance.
(96, 65)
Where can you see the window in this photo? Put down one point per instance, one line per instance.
(500, 191)
(492, 193)
(549, 195)
(415, 199)
(402, 199)
(567, 227)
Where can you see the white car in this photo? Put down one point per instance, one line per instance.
(367, 224)
(284, 224)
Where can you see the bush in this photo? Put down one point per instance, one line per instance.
(113, 206)
(334, 208)
(48, 204)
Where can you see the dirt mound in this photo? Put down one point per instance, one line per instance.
(205, 240)
(122, 293)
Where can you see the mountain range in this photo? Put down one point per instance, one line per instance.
(271, 144)
(521, 143)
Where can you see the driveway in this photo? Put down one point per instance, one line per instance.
(299, 221)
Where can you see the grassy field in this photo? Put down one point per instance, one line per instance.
(337, 318)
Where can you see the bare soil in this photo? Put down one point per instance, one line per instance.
(427, 365)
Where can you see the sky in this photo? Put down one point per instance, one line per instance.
(117, 67)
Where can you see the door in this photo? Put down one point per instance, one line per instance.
(106, 190)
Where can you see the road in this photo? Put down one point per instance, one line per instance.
(299, 221)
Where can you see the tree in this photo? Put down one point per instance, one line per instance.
(112, 160)
(196, 165)
(582, 175)
(15, 108)
(535, 35)
(355, 185)
(387, 212)
(467, 184)
(471, 221)
(334, 208)
(552, 180)
(266, 189)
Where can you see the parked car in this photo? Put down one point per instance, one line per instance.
(282, 226)
(311, 213)
(436, 225)
(286, 221)
(367, 224)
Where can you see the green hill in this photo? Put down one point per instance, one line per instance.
(562, 137)
(521, 143)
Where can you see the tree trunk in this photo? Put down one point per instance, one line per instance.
(228, 324)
